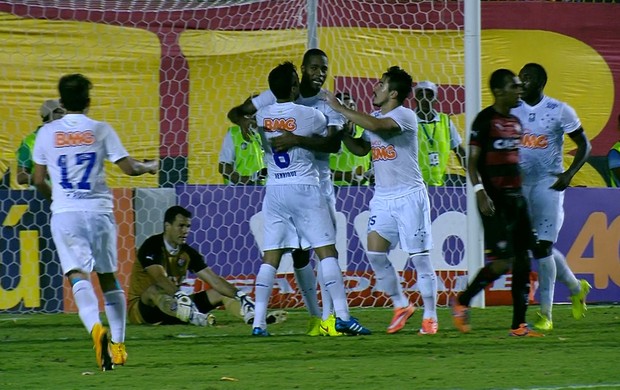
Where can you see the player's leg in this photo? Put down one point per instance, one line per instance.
(104, 232)
(414, 225)
(263, 288)
(327, 302)
(579, 289)
(71, 237)
(306, 281)
(545, 210)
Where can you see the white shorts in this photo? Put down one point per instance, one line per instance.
(406, 219)
(85, 241)
(296, 216)
(546, 208)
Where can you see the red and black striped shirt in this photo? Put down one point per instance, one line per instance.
(498, 136)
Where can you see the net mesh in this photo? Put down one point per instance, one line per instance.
(165, 74)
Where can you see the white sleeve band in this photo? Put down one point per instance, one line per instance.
(478, 187)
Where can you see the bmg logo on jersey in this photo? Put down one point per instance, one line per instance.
(383, 152)
(279, 124)
(533, 141)
(63, 139)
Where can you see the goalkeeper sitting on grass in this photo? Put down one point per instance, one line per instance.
(163, 263)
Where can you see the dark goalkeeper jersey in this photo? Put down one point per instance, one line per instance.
(153, 251)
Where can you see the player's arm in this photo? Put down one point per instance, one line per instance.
(484, 202)
(459, 151)
(218, 283)
(227, 170)
(357, 146)
(242, 115)
(133, 167)
(328, 144)
(160, 277)
(368, 122)
(581, 156)
(38, 179)
(23, 176)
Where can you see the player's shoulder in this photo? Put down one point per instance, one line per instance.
(549, 103)
(154, 241)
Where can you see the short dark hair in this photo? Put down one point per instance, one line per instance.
(539, 70)
(281, 79)
(172, 212)
(500, 77)
(399, 81)
(312, 53)
(74, 91)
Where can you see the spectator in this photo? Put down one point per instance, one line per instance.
(241, 161)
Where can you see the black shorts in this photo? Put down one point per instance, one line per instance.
(508, 232)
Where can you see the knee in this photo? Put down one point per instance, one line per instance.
(301, 258)
(378, 260)
(542, 249)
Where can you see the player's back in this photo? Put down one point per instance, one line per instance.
(296, 165)
(74, 149)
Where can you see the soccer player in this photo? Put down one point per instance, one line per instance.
(314, 71)
(293, 176)
(545, 121)
(73, 150)
(437, 135)
(400, 207)
(494, 173)
(164, 260)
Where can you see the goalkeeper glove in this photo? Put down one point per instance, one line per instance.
(185, 305)
(247, 304)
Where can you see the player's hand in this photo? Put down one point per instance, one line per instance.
(185, 305)
(248, 126)
(152, 166)
(562, 182)
(284, 142)
(485, 204)
(333, 102)
(247, 304)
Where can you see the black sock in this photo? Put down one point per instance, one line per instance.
(485, 277)
(520, 290)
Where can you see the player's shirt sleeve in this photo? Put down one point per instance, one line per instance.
(334, 118)
(569, 119)
(114, 148)
(455, 137)
(42, 141)
(478, 131)
(151, 253)
(196, 260)
(319, 122)
(264, 99)
(405, 119)
(227, 152)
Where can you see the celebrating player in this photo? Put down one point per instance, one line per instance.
(400, 208)
(545, 121)
(73, 150)
(314, 71)
(292, 175)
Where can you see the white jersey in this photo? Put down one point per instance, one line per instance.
(74, 149)
(333, 119)
(544, 126)
(395, 156)
(296, 165)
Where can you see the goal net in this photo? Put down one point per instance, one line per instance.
(165, 74)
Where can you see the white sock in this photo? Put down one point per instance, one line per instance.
(262, 291)
(116, 311)
(326, 298)
(564, 273)
(306, 281)
(334, 283)
(427, 283)
(387, 278)
(546, 284)
(87, 303)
